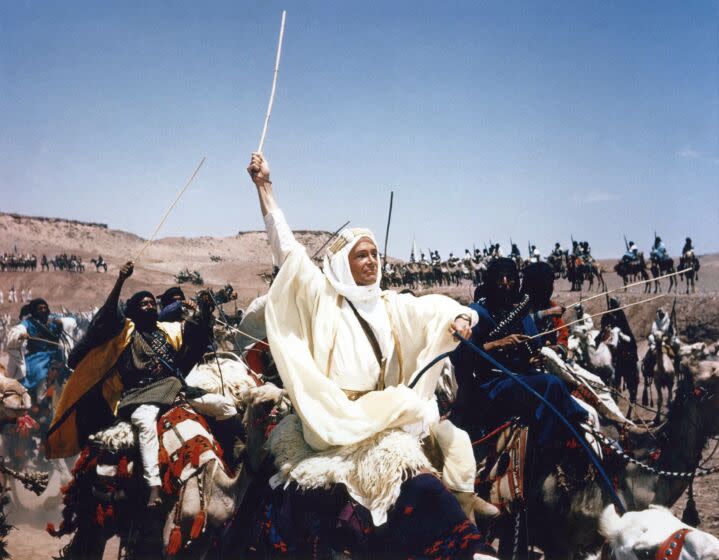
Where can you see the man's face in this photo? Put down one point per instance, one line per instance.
(364, 262)
(42, 312)
(176, 297)
(148, 310)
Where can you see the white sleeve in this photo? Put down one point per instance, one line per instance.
(281, 238)
(13, 337)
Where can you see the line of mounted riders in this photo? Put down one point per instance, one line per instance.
(17, 262)
(578, 266)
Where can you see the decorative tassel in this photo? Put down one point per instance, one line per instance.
(164, 457)
(195, 456)
(645, 396)
(122, 468)
(100, 515)
(167, 484)
(691, 515)
(175, 543)
(198, 525)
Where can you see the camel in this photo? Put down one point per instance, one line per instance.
(208, 499)
(565, 524)
(597, 359)
(630, 270)
(14, 399)
(690, 261)
(660, 268)
(641, 534)
(663, 374)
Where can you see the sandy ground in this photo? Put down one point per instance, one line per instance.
(243, 259)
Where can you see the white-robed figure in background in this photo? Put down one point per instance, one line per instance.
(346, 352)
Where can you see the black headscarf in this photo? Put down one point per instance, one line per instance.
(496, 270)
(169, 296)
(538, 284)
(132, 306)
(34, 304)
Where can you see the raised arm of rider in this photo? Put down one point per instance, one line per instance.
(280, 236)
(107, 322)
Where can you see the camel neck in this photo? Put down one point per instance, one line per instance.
(684, 437)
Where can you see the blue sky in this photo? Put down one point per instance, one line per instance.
(538, 120)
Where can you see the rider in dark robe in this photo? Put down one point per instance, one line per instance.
(485, 397)
(152, 361)
(626, 356)
(171, 308)
(538, 284)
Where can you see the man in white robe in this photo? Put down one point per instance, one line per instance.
(346, 353)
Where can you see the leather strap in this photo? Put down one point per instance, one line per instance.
(369, 333)
(671, 548)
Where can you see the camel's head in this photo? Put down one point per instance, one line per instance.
(14, 399)
(637, 535)
(705, 379)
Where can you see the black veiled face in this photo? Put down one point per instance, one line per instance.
(505, 289)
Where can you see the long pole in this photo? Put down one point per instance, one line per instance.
(639, 283)
(386, 233)
(167, 213)
(274, 83)
(596, 315)
(331, 237)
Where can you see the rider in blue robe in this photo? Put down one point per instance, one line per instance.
(43, 343)
(486, 397)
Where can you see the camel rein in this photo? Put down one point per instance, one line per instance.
(616, 500)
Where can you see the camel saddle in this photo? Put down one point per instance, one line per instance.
(501, 470)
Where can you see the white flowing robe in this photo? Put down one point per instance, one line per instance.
(320, 349)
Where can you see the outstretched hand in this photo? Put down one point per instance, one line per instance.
(259, 170)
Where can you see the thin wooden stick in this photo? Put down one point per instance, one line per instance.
(167, 213)
(274, 83)
(640, 282)
(596, 315)
(43, 340)
(241, 332)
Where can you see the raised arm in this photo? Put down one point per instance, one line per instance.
(259, 171)
(106, 323)
(281, 238)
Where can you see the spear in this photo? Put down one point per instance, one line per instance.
(331, 237)
(386, 234)
(626, 245)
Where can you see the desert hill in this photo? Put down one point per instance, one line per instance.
(244, 258)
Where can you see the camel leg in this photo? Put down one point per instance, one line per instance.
(660, 399)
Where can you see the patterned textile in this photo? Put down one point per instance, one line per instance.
(426, 522)
(501, 473)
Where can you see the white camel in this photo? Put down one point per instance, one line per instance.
(597, 359)
(651, 533)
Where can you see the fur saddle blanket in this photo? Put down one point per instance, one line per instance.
(372, 470)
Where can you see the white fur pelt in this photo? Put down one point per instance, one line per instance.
(118, 437)
(237, 381)
(372, 470)
(638, 534)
